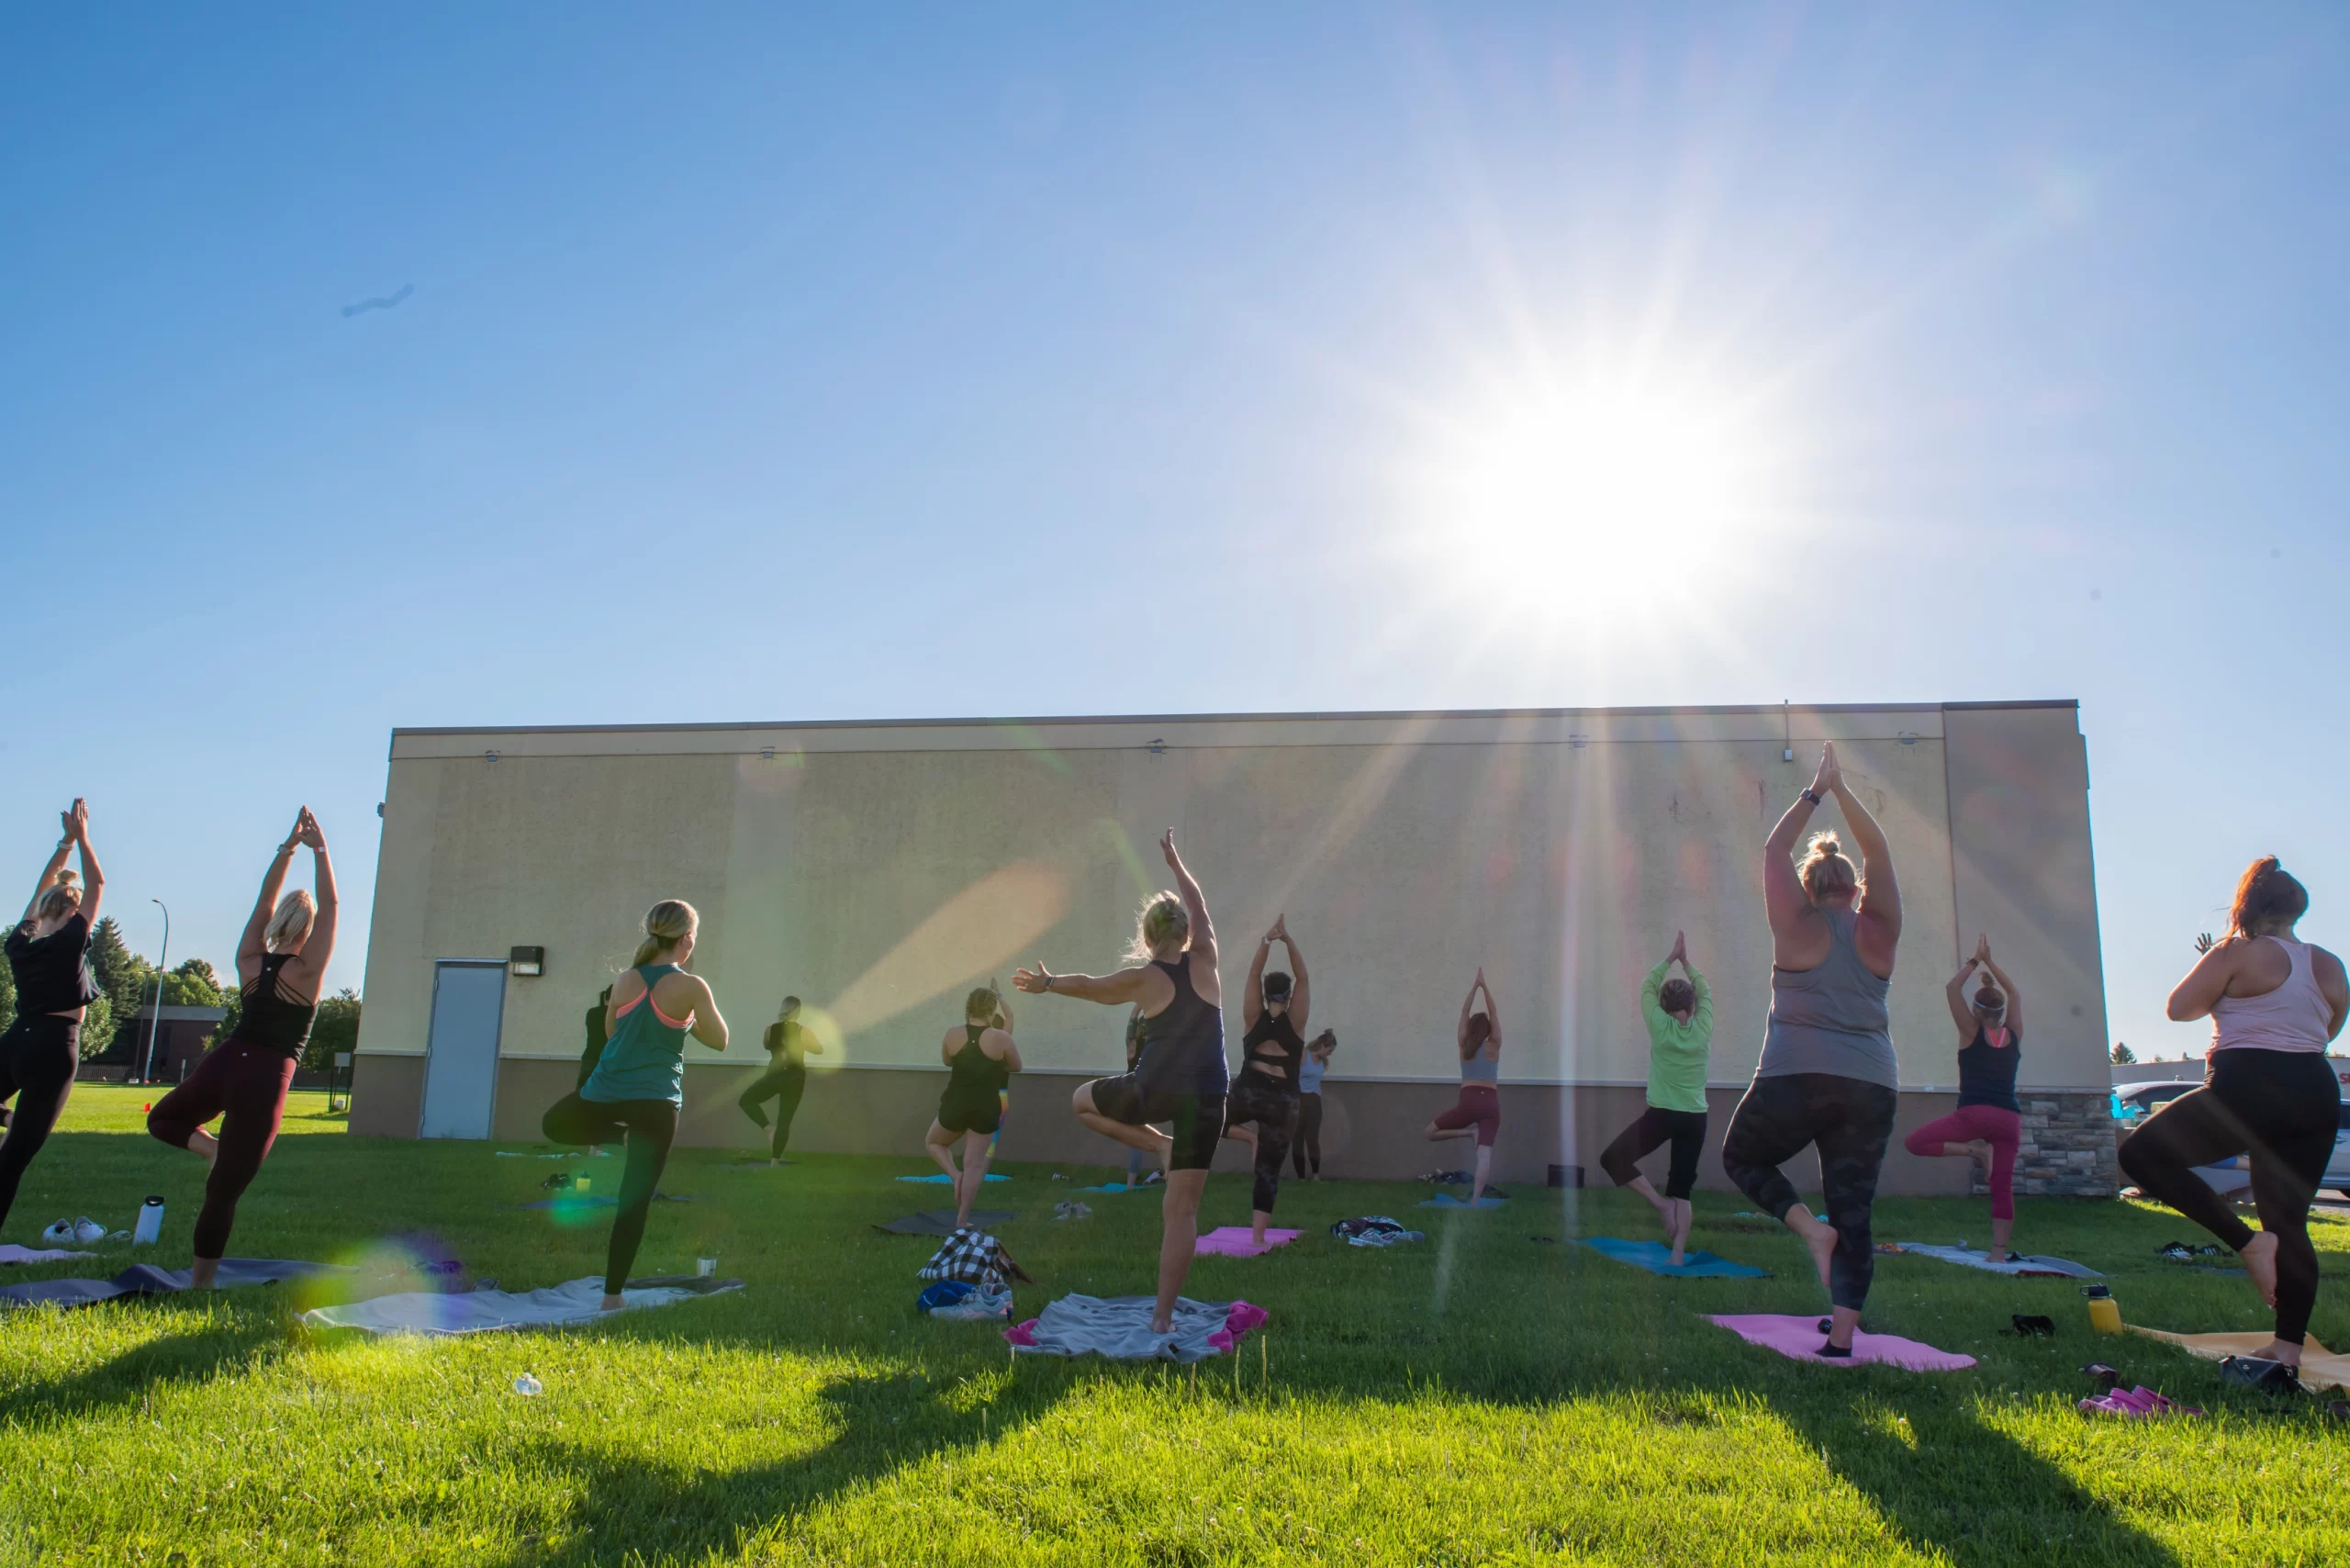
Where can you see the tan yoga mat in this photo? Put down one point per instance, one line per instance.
(2321, 1368)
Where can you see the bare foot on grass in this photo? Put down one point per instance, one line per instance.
(2259, 1257)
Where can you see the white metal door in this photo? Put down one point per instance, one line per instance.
(461, 1058)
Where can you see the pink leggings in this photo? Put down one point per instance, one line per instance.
(2001, 1129)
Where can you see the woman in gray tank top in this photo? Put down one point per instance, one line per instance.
(1827, 1076)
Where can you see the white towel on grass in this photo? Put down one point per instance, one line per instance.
(485, 1312)
(1119, 1328)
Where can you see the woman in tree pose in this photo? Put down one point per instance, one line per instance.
(1988, 1125)
(788, 1045)
(639, 1084)
(1679, 1016)
(1827, 1076)
(2275, 1003)
(1182, 1078)
(48, 958)
(981, 1059)
(1478, 1112)
(1308, 1147)
(281, 967)
(1266, 1092)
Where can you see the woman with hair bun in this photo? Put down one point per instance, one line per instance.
(639, 1084)
(281, 964)
(1265, 1091)
(1478, 1111)
(1828, 1077)
(48, 958)
(1181, 1078)
(1988, 1125)
(980, 1059)
(2275, 1003)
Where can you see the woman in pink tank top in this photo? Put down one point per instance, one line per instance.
(2275, 1003)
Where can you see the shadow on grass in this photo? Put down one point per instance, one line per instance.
(235, 1342)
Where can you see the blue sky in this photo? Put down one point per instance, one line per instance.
(780, 364)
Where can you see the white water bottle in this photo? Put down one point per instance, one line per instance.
(150, 1229)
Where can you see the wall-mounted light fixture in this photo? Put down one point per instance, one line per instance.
(1578, 741)
(526, 961)
(1909, 738)
(490, 757)
(767, 753)
(1156, 748)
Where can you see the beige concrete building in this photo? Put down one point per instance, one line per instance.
(880, 869)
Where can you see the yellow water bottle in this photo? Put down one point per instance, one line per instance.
(2105, 1313)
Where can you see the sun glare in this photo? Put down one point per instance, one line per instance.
(1562, 494)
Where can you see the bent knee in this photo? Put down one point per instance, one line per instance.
(1917, 1143)
(1081, 1100)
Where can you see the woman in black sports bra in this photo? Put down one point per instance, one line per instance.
(1265, 1090)
(280, 964)
(981, 1059)
(48, 958)
(1181, 1078)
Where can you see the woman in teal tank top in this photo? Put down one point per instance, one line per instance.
(639, 1083)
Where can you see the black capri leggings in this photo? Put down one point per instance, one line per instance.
(1275, 1113)
(650, 1125)
(1309, 1133)
(1685, 1130)
(2281, 1107)
(37, 1056)
(1850, 1122)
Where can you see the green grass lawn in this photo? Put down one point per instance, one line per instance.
(1482, 1398)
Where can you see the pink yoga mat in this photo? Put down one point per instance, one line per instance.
(1800, 1339)
(1236, 1241)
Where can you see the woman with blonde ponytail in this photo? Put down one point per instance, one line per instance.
(639, 1083)
(281, 967)
(49, 957)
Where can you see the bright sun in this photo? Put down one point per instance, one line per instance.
(1568, 491)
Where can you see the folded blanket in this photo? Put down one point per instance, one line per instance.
(1654, 1256)
(1967, 1258)
(2321, 1369)
(145, 1278)
(1118, 1328)
(1799, 1338)
(439, 1315)
(1239, 1241)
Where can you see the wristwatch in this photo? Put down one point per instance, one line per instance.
(1809, 796)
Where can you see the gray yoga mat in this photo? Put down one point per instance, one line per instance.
(145, 1278)
(941, 1222)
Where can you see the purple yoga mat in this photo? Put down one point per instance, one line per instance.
(1799, 1338)
(1234, 1241)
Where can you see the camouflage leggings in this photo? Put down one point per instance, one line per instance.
(1850, 1122)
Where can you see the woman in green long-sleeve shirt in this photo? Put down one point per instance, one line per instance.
(1679, 1016)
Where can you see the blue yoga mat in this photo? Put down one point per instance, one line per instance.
(1447, 1200)
(1114, 1187)
(584, 1201)
(939, 1179)
(1651, 1255)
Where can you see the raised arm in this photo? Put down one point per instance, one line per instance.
(1110, 990)
(1468, 1006)
(2007, 986)
(1252, 1000)
(65, 843)
(1652, 1012)
(1880, 900)
(1493, 1010)
(1301, 990)
(1783, 896)
(311, 962)
(1954, 993)
(1195, 902)
(252, 946)
(94, 881)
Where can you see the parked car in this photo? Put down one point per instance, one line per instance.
(2136, 1102)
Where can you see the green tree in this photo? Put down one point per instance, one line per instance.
(233, 999)
(193, 984)
(8, 997)
(337, 1029)
(97, 1026)
(2123, 1055)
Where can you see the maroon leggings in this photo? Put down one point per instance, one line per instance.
(244, 1085)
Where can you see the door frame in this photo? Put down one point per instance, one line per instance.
(424, 1094)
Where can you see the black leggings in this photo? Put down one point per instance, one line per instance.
(38, 1056)
(1850, 1122)
(1685, 1130)
(784, 1083)
(2281, 1107)
(1309, 1133)
(1275, 1113)
(650, 1125)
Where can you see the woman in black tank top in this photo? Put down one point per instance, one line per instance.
(980, 1059)
(280, 964)
(1181, 1077)
(49, 960)
(1262, 1109)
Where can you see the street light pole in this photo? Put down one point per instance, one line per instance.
(155, 1019)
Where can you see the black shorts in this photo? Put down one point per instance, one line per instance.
(970, 1112)
(1196, 1120)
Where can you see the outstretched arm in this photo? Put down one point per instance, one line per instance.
(1961, 1012)
(1195, 902)
(1252, 1001)
(65, 843)
(1110, 990)
(1301, 990)
(1783, 896)
(1880, 902)
(251, 948)
(1493, 1010)
(312, 960)
(1468, 1006)
(94, 881)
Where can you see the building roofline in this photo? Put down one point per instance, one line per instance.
(1400, 714)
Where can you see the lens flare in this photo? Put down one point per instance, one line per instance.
(978, 929)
